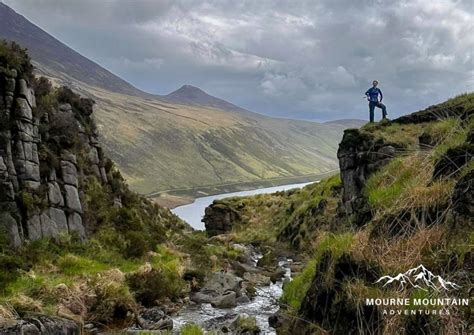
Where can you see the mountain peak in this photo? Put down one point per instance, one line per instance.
(194, 96)
(188, 90)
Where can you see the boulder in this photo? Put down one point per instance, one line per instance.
(222, 282)
(257, 279)
(242, 299)
(40, 325)
(237, 324)
(154, 319)
(226, 300)
(216, 290)
(219, 218)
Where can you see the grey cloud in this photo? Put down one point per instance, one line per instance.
(301, 59)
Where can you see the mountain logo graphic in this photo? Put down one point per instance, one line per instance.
(419, 277)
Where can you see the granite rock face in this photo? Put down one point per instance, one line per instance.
(41, 196)
(359, 156)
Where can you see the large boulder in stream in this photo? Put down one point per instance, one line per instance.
(221, 290)
(227, 300)
(232, 323)
(154, 319)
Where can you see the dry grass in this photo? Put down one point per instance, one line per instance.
(22, 303)
(402, 253)
(7, 312)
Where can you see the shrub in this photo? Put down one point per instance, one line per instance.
(13, 56)
(32, 201)
(113, 298)
(63, 130)
(158, 280)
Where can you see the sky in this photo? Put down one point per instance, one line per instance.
(295, 59)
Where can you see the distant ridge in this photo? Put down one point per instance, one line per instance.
(50, 52)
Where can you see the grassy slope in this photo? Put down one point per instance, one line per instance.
(163, 146)
(401, 195)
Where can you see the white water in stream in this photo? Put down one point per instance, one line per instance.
(264, 304)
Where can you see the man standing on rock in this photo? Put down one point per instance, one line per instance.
(372, 95)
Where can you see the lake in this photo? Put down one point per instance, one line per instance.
(193, 213)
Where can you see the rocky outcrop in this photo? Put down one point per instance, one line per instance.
(40, 179)
(219, 218)
(359, 156)
(325, 302)
(437, 112)
(40, 324)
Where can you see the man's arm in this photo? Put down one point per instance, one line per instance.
(367, 94)
(381, 95)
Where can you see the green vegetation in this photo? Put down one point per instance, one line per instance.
(191, 329)
(295, 290)
(290, 216)
(12, 56)
(406, 183)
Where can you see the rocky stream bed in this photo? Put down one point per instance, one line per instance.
(228, 300)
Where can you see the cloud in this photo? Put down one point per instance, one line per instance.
(301, 59)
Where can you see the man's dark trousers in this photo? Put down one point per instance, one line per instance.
(372, 105)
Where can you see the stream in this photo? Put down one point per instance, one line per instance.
(263, 305)
(265, 301)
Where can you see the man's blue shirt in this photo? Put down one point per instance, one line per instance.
(373, 94)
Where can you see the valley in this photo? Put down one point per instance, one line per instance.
(188, 141)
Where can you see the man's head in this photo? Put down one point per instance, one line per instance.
(375, 83)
